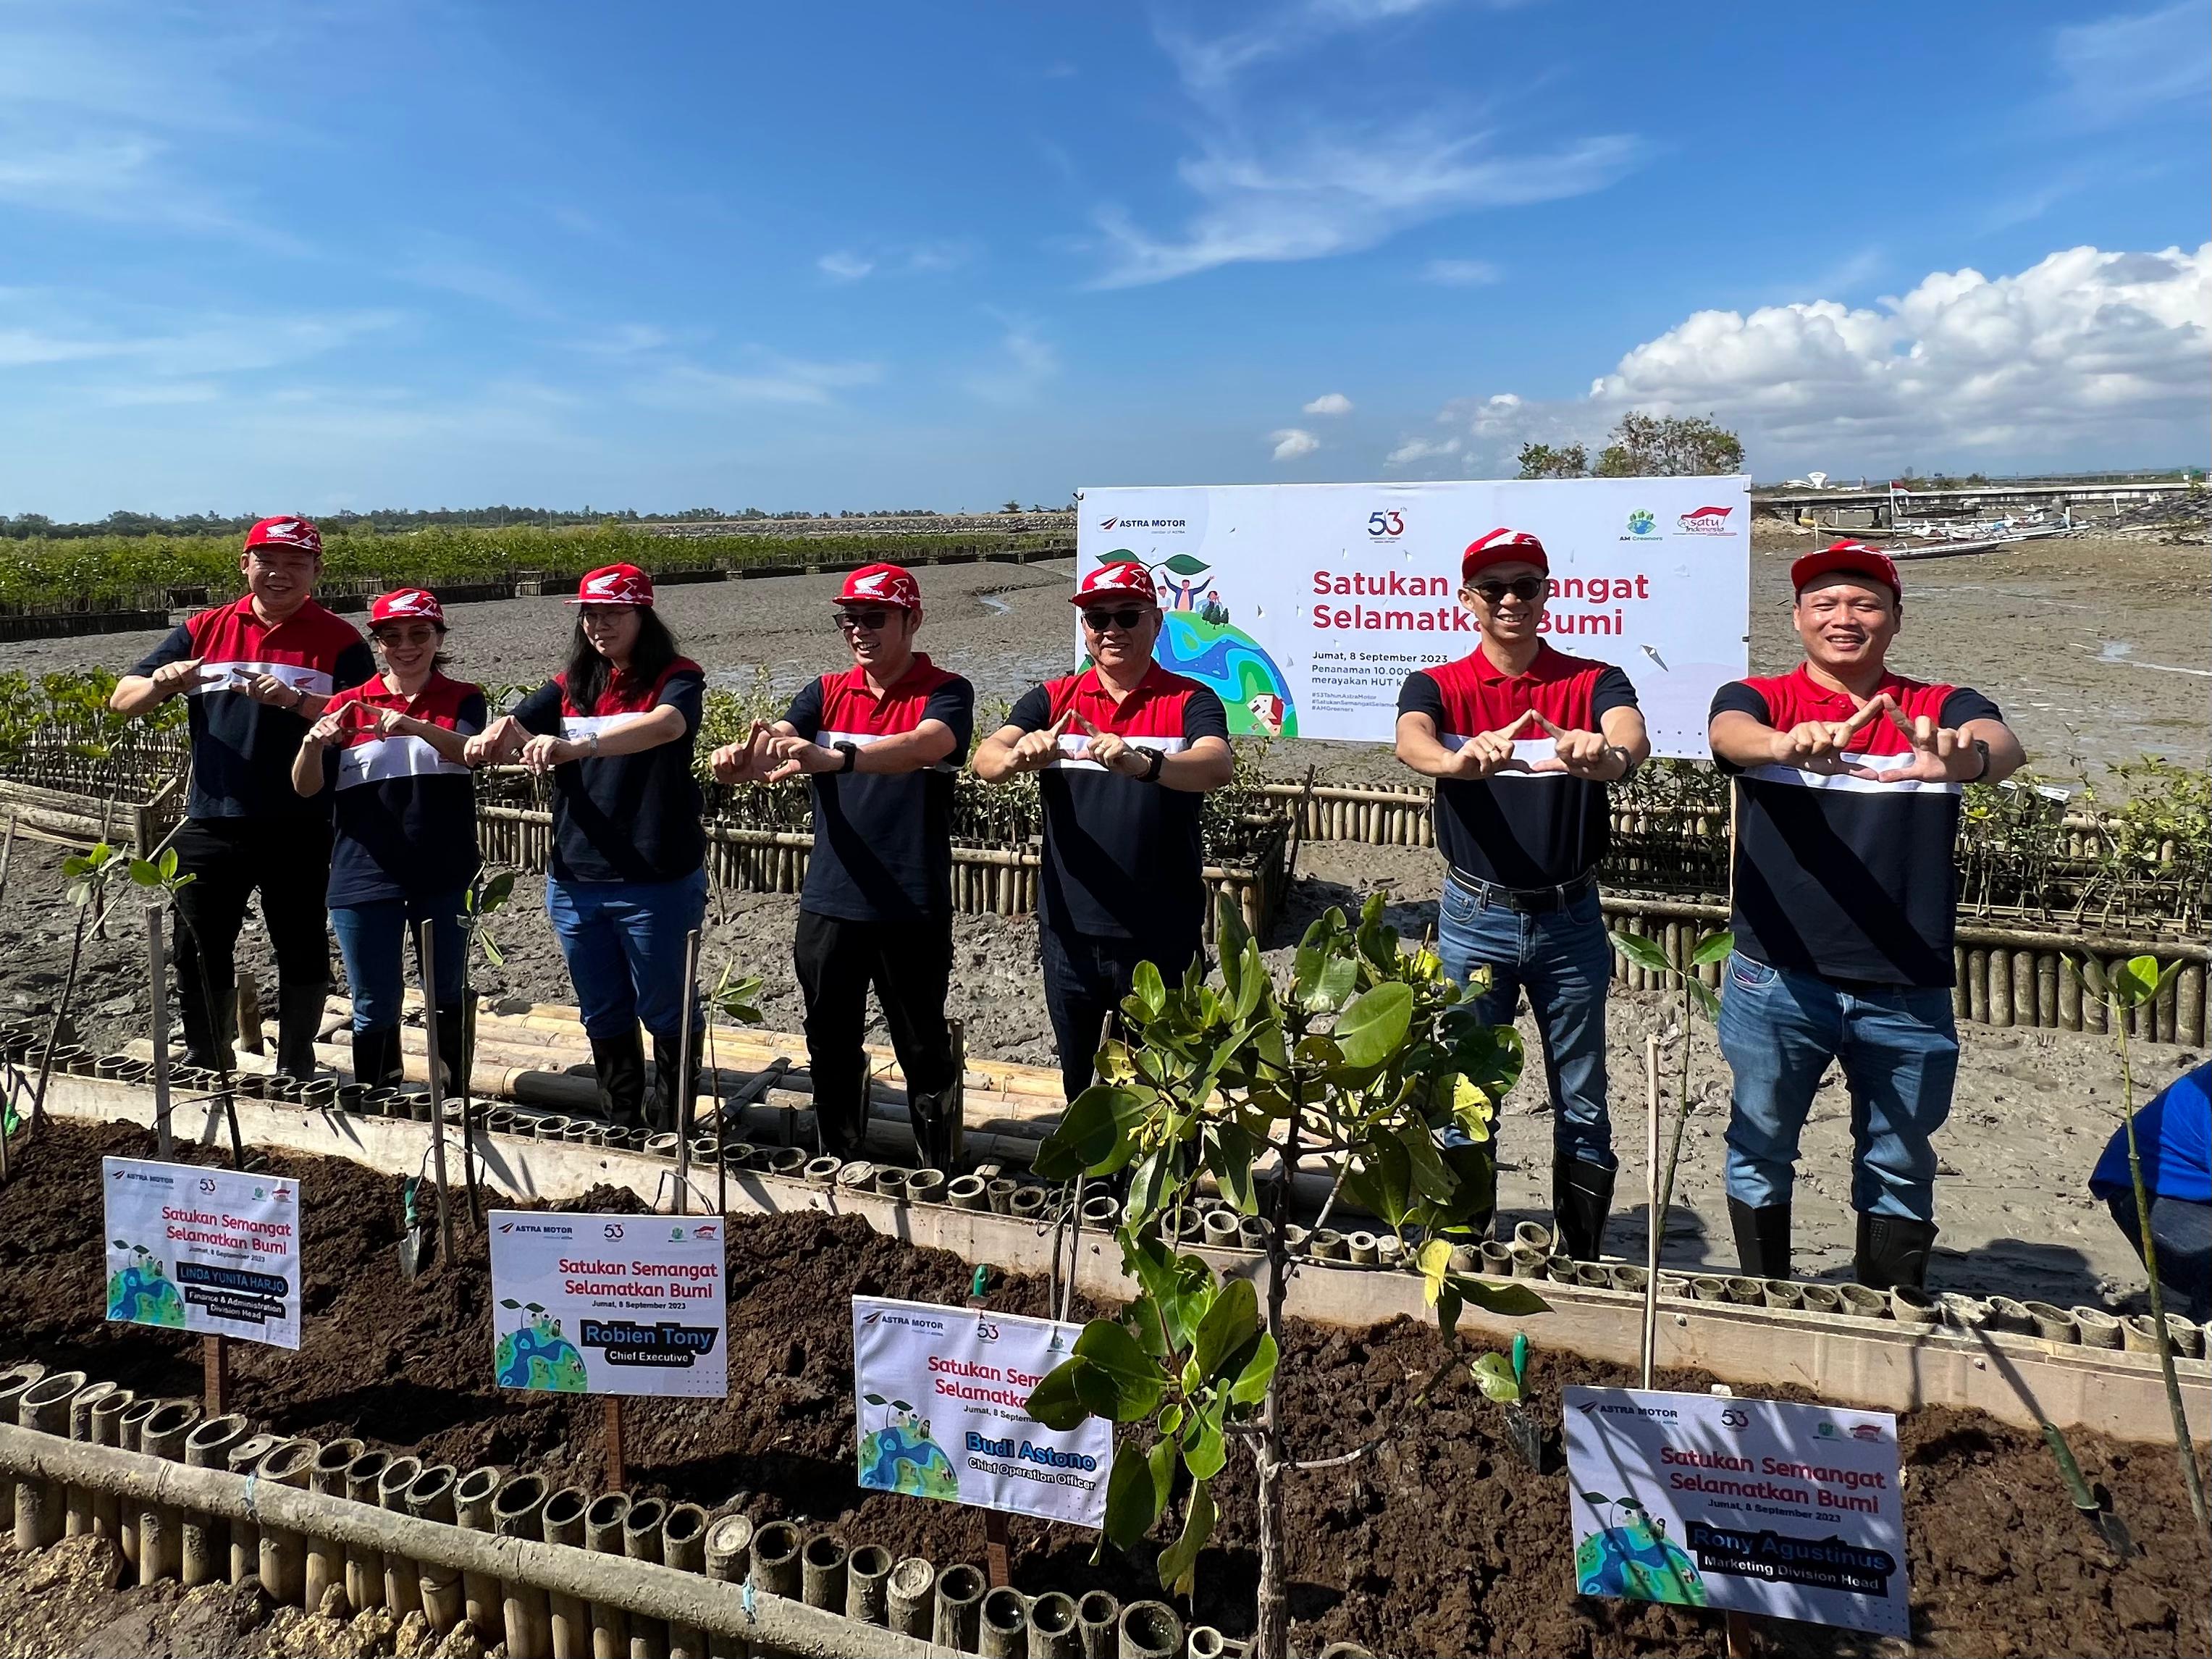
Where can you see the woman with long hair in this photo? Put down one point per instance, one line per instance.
(615, 728)
(404, 847)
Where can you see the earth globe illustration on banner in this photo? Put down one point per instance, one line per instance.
(1200, 638)
(900, 1457)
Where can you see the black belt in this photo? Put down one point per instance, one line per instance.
(1526, 901)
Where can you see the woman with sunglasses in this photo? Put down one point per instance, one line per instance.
(404, 850)
(615, 728)
(1126, 749)
(880, 742)
(1522, 740)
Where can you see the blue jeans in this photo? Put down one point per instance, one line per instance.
(1900, 1051)
(624, 945)
(2182, 1230)
(1563, 961)
(371, 938)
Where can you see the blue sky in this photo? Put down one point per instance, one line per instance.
(315, 256)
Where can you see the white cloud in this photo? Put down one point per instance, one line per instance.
(2116, 67)
(1330, 402)
(842, 267)
(1421, 449)
(1018, 370)
(1460, 273)
(2087, 355)
(1291, 443)
(778, 380)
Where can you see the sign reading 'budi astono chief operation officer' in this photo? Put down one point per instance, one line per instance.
(609, 1303)
(1753, 1505)
(942, 1397)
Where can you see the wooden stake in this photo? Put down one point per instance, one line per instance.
(157, 1000)
(423, 958)
(998, 1548)
(617, 1476)
(1658, 1223)
(1738, 1643)
(680, 1109)
(215, 1373)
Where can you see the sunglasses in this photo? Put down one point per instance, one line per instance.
(1526, 589)
(872, 621)
(1099, 621)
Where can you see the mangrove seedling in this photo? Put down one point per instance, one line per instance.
(1366, 1056)
(1697, 996)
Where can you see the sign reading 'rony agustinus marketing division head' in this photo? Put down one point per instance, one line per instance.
(211, 1251)
(1750, 1505)
(941, 1395)
(1305, 606)
(609, 1303)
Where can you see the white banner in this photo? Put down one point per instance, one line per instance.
(609, 1303)
(1305, 606)
(207, 1250)
(938, 1395)
(1751, 1505)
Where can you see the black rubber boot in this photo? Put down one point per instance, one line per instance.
(376, 1057)
(1893, 1250)
(668, 1093)
(1762, 1238)
(207, 1019)
(454, 1049)
(299, 1017)
(619, 1066)
(936, 1128)
(1582, 1198)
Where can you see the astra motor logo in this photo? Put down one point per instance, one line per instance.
(1158, 527)
(1705, 521)
(1643, 526)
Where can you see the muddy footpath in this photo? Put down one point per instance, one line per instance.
(1439, 1542)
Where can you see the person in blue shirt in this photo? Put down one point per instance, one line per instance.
(2174, 1137)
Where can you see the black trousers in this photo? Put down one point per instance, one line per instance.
(288, 861)
(1087, 976)
(909, 964)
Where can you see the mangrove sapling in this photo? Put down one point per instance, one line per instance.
(1366, 1054)
(2131, 985)
(1696, 995)
(484, 897)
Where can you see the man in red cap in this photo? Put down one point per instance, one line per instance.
(1522, 740)
(259, 672)
(1127, 751)
(1845, 893)
(881, 742)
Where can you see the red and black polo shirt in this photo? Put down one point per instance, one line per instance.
(625, 818)
(1532, 828)
(406, 817)
(1123, 858)
(242, 750)
(882, 841)
(1850, 879)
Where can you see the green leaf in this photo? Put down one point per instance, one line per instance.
(1230, 935)
(1252, 984)
(1172, 1416)
(1702, 995)
(1130, 1379)
(1179, 1561)
(1381, 1180)
(1510, 1298)
(1251, 1385)
(1132, 1500)
(76, 865)
(1054, 1402)
(1321, 982)
(1373, 1025)
(1149, 989)
(1205, 1448)
(1186, 564)
(1493, 1374)
(143, 874)
(1429, 1177)
(1090, 1137)
(872, 1399)
(1226, 1328)
(1643, 952)
(1712, 948)
(2135, 981)
(508, 1302)
(1229, 1154)
(1596, 1499)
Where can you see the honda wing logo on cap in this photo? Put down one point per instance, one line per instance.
(607, 586)
(873, 584)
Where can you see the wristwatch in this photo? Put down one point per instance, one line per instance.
(1981, 746)
(1152, 772)
(851, 751)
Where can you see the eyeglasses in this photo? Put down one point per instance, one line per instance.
(872, 621)
(1526, 589)
(1099, 621)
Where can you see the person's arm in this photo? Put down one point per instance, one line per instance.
(1028, 741)
(502, 739)
(1207, 762)
(1979, 719)
(901, 752)
(311, 773)
(1627, 734)
(171, 667)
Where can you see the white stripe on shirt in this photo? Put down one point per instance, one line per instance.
(383, 758)
(1071, 742)
(862, 739)
(1531, 752)
(232, 676)
(1800, 776)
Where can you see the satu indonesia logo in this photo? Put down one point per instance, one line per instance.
(1705, 521)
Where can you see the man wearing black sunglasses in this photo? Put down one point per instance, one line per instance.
(881, 743)
(1522, 740)
(1125, 750)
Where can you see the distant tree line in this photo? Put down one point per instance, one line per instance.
(1643, 447)
(27, 526)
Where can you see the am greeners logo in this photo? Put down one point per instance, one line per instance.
(1643, 525)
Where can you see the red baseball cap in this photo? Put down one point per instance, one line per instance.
(1502, 547)
(614, 584)
(1116, 579)
(406, 604)
(881, 584)
(1855, 557)
(286, 532)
